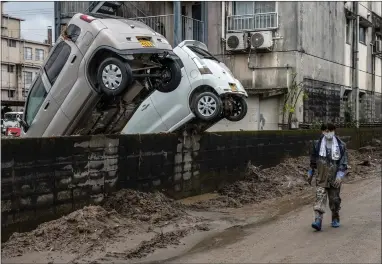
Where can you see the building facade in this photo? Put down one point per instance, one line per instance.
(20, 62)
(301, 62)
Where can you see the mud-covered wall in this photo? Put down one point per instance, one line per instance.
(42, 179)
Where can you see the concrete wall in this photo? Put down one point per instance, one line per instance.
(42, 179)
(11, 54)
(11, 27)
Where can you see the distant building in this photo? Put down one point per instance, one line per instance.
(20, 62)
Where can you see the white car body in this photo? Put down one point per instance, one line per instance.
(166, 112)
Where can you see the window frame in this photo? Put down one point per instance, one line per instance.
(38, 83)
(364, 34)
(53, 60)
(10, 68)
(26, 53)
(37, 54)
(348, 31)
(253, 12)
(31, 77)
(10, 41)
(11, 93)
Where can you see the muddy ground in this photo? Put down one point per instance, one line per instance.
(132, 224)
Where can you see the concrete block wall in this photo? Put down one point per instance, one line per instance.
(45, 178)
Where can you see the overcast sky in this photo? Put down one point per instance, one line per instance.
(37, 15)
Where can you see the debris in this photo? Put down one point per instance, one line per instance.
(77, 232)
(153, 208)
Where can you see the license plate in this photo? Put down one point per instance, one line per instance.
(146, 43)
(233, 87)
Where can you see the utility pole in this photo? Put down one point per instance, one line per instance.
(177, 23)
(355, 82)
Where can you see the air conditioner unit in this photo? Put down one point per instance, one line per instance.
(261, 40)
(237, 41)
(378, 46)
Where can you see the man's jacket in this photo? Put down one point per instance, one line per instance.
(325, 172)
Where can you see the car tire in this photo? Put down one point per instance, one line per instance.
(171, 76)
(114, 76)
(240, 108)
(207, 106)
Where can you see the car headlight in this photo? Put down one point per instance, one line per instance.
(203, 69)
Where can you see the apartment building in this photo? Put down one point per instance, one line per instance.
(20, 62)
(301, 62)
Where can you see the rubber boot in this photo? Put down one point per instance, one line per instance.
(335, 220)
(317, 224)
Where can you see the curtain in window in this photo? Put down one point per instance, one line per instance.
(254, 15)
(250, 8)
(243, 8)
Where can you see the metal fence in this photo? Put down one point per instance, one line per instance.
(261, 21)
(164, 24)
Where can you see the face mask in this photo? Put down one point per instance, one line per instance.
(329, 135)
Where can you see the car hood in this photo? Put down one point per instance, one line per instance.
(221, 71)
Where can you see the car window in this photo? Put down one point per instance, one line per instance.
(36, 97)
(201, 53)
(73, 32)
(57, 61)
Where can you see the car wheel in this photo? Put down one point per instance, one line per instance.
(114, 76)
(171, 76)
(239, 110)
(207, 106)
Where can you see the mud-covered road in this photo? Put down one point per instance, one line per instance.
(292, 240)
(263, 218)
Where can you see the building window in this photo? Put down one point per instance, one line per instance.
(12, 43)
(28, 53)
(28, 76)
(11, 93)
(362, 34)
(348, 31)
(11, 68)
(252, 8)
(253, 16)
(39, 54)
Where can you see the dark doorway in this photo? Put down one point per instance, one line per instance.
(197, 27)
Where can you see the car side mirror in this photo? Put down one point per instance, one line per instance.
(23, 123)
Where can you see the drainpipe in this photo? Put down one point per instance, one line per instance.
(373, 61)
(204, 6)
(355, 82)
(177, 23)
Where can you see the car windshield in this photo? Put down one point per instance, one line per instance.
(201, 53)
(36, 97)
(11, 116)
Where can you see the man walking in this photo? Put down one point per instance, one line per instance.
(329, 157)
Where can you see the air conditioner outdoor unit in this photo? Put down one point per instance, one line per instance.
(378, 46)
(236, 41)
(261, 40)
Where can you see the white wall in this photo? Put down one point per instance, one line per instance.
(362, 64)
(378, 78)
(348, 70)
(250, 121)
(269, 113)
(377, 7)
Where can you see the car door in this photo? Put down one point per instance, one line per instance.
(62, 69)
(40, 107)
(173, 107)
(145, 120)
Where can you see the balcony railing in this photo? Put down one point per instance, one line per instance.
(254, 22)
(164, 24)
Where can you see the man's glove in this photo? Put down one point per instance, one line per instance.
(337, 183)
(310, 176)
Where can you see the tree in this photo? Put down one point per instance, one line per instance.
(291, 99)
